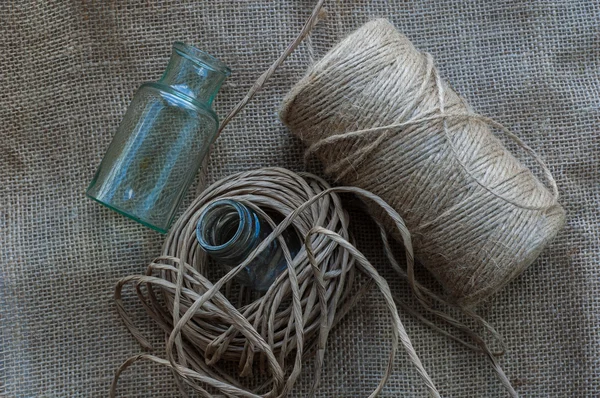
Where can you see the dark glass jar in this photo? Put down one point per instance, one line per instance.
(229, 231)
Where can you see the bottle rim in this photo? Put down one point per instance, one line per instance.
(201, 57)
(201, 220)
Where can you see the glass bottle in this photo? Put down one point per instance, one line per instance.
(162, 140)
(228, 231)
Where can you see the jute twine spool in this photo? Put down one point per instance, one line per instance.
(206, 326)
(376, 113)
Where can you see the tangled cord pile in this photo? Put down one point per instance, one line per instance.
(292, 319)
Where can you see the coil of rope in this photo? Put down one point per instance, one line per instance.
(292, 319)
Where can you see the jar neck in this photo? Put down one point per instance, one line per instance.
(228, 231)
(195, 73)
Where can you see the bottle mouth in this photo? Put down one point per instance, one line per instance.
(202, 58)
(220, 225)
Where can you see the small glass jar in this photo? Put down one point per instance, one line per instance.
(229, 231)
(162, 140)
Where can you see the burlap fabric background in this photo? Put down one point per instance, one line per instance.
(68, 71)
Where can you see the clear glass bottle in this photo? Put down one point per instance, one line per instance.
(228, 231)
(162, 140)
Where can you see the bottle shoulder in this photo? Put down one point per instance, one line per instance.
(179, 99)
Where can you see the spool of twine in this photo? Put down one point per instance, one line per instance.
(378, 116)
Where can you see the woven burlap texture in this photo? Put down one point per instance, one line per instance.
(68, 71)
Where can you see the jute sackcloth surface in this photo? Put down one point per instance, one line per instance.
(68, 71)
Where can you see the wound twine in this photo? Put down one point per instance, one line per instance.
(376, 113)
(378, 116)
(292, 319)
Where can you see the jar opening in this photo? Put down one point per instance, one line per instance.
(200, 57)
(220, 225)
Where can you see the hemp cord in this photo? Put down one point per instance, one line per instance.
(296, 314)
(376, 113)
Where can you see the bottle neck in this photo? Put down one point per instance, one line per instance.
(195, 73)
(228, 231)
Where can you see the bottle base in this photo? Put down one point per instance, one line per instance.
(128, 215)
